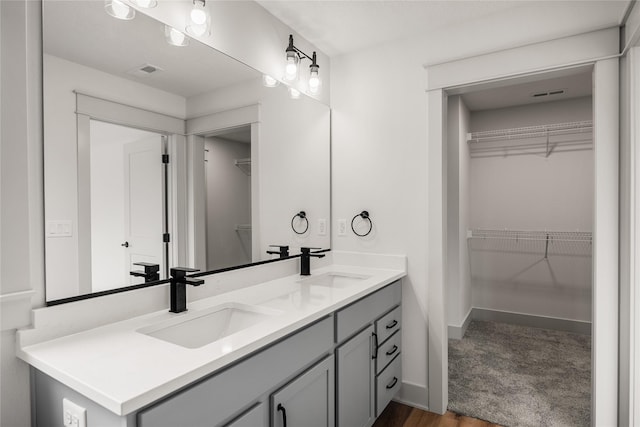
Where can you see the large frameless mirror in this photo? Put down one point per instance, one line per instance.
(159, 155)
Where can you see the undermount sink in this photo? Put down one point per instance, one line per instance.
(197, 329)
(334, 279)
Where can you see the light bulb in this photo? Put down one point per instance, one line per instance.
(199, 19)
(197, 30)
(269, 81)
(294, 93)
(175, 37)
(314, 81)
(198, 14)
(291, 68)
(147, 4)
(118, 9)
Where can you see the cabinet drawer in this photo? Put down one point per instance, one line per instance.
(387, 351)
(388, 384)
(388, 324)
(354, 317)
(254, 417)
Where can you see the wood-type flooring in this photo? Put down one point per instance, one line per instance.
(399, 415)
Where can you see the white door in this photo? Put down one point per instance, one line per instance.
(143, 206)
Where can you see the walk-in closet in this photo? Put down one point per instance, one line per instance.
(520, 198)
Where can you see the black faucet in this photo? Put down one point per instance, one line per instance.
(305, 260)
(178, 291)
(151, 271)
(283, 251)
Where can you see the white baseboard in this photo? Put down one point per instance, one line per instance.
(457, 332)
(413, 395)
(534, 321)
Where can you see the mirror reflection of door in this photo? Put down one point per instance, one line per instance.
(228, 193)
(127, 203)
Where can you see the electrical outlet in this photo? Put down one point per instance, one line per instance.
(342, 227)
(322, 227)
(73, 415)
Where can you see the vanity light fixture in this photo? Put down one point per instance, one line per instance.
(118, 9)
(294, 93)
(269, 81)
(293, 58)
(175, 37)
(199, 19)
(145, 4)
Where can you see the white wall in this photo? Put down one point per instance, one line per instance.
(228, 203)
(532, 192)
(464, 217)
(61, 78)
(459, 286)
(379, 164)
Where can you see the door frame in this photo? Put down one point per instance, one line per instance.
(600, 49)
(89, 107)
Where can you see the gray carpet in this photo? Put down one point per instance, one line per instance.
(519, 376)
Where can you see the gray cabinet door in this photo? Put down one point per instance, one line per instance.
(308, 400)
(356, 381)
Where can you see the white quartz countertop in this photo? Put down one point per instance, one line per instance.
(124, 370)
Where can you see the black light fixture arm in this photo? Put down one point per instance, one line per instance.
(301, 54)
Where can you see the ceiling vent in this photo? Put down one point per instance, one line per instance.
(144, 70)
(554, 92)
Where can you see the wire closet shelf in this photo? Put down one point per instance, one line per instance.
(533, 139)
(532, 235)
(584, 126)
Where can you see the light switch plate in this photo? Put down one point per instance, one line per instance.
(342, 227)
(59, 228)
(73, 415)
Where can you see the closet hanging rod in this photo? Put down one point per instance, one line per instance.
(568, 128)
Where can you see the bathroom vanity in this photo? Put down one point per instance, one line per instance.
(319, 351)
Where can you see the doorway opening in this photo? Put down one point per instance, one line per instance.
(228, 221)
(520, 214)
